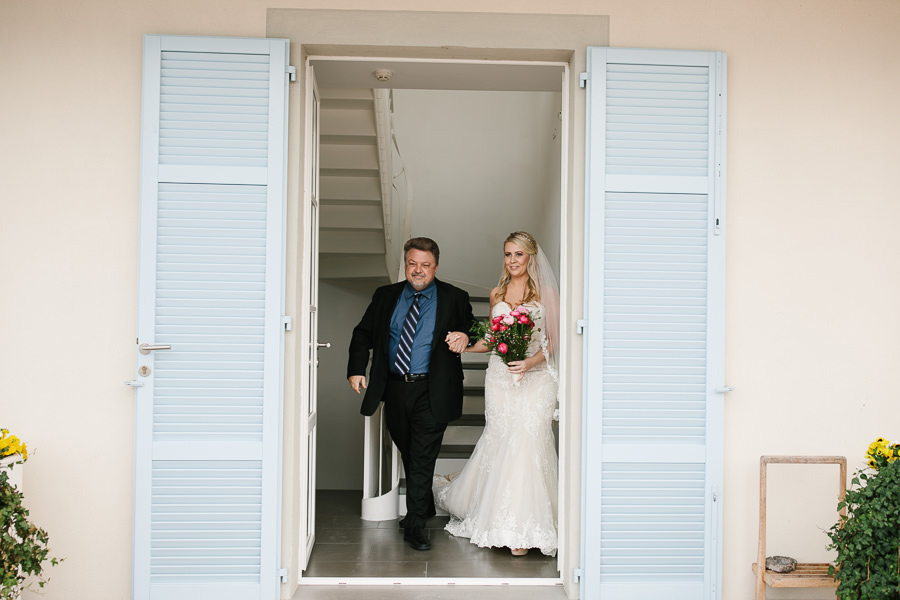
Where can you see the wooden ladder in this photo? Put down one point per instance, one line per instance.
(806, 575)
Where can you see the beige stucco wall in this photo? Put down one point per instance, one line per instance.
(812, 327)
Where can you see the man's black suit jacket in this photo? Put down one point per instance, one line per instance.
(445, 375)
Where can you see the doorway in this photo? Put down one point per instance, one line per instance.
(477, 150)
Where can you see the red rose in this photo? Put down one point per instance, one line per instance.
(502, 348)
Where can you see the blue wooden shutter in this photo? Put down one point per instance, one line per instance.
(208, 423)
(653, 410)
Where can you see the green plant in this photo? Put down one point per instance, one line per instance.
(867, 540)
(23, 545)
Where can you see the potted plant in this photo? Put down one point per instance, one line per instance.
(867, 539)
(23, 545)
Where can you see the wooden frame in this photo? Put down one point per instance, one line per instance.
(806, 575)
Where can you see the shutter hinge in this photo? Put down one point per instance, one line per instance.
(583, 79)
(282, 575)
(287, 322)
(135, 383)
(577, 573)
(724, 390)
(580, 326)
(292, 71)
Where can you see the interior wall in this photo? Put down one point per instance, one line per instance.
(339, 449)
(482, 165)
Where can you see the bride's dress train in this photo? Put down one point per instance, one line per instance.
(506, 495)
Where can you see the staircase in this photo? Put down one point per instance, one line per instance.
(354, 174)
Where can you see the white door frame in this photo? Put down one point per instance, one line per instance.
(563, 516)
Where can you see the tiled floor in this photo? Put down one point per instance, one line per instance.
(446, 592)
(347, 546)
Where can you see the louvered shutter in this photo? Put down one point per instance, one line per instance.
(653, 412)
(211, 268)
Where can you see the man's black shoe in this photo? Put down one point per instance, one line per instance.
(403, 520)
(417, 539)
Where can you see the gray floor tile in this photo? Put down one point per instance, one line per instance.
(346, 546)
(445, 592)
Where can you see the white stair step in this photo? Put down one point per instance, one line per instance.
(326, 93)
(350, 187)
(461, 436)
(351, 241)
(347, 121)
(349, 156)
(346, 266)
(354, 216)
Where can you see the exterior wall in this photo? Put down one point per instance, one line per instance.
(812, 325)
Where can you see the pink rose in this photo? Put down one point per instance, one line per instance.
(515, 313)
(523, 310)
(509, 320)
(497, 319)
(495, 327)
(523, 320)
(502, 328)
(502, 348)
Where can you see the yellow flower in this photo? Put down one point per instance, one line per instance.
(872, 463)
(10, 444)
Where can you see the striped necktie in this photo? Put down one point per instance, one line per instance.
(404, 350)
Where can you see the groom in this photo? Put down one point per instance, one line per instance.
(415, 329)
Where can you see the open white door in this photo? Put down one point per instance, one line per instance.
(209, 391)
(654, 280)
(310, 360)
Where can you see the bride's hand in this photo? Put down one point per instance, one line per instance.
(519, 367)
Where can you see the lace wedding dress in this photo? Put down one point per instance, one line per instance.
(506, 495)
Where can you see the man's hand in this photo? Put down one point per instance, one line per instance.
(457, 341)
(357, 382)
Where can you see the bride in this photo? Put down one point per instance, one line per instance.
(506, 495)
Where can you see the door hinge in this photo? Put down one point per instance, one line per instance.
(287, 322)
(577, 574)
(579, 326)
(282, 575)
(583, 79)
(292, 71)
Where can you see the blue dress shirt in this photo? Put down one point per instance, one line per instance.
(421, 347)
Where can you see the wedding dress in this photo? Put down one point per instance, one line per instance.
(506, 495)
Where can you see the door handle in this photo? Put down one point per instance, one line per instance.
(325, 345)
(145, 348)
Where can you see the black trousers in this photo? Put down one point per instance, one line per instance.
(418, 436)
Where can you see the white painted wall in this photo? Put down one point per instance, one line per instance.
(483, 164)
(812, 321)
(339, 461)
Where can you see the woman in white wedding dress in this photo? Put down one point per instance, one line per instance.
(506, 495)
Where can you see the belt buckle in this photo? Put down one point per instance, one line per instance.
(408, 378)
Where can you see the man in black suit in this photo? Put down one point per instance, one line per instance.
(416, 331)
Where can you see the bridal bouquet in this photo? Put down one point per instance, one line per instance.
(507, 335)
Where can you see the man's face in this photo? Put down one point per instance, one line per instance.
(420, 268)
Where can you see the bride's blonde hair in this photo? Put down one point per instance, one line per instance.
(529, 245)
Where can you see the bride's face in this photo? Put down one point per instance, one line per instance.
(515, 259)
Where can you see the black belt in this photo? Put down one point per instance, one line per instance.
(409, 377)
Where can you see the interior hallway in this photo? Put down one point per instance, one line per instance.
(347, 546)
